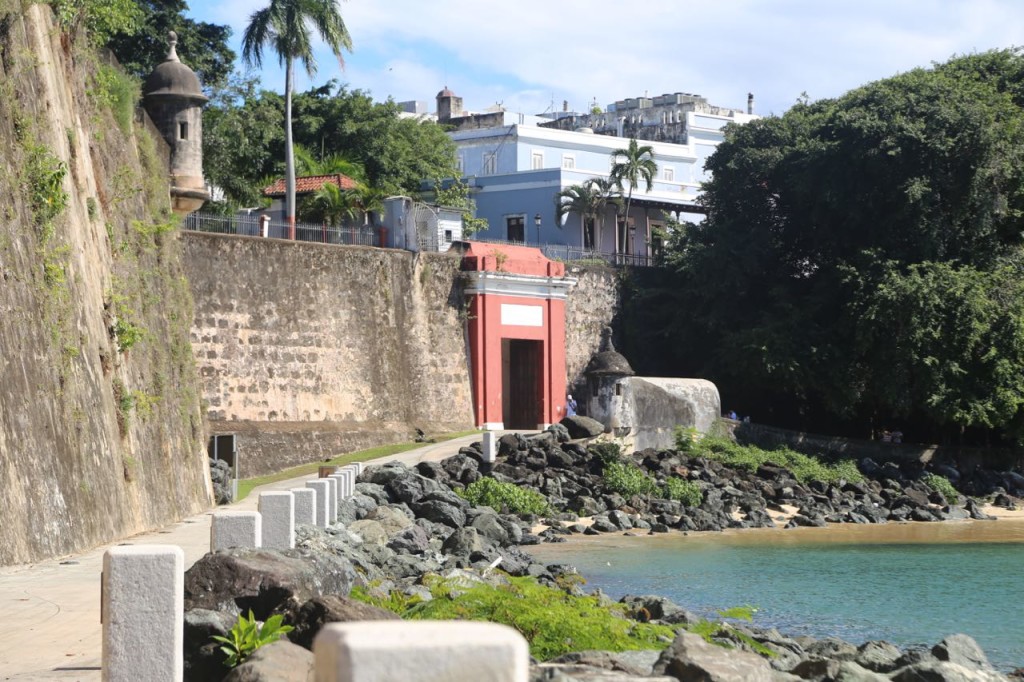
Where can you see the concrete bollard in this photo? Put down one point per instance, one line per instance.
(356, 469)
(418, 651)
(345, 484)
(142, 609)
(321, 487)
(332, 506)
(490, 447)
(305, 506)
(278, 510)
(236, 529)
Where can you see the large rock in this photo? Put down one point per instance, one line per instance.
(649, 607)
(370, 531)
(331, 608)
(393, 520)
(878, 656)
(412, 540)
(689, 657)
(237, 580)
(582, 427)
(203, 659)
(279, 661)
(944, 671)
(962, 650)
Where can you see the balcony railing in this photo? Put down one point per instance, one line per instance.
(576, 254)
(252, 226)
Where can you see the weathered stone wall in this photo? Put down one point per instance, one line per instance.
(307, 351)
(593, 305)
(101, 433)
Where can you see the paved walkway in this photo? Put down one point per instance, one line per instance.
(50, 628)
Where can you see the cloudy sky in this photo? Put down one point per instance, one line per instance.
(531, 55)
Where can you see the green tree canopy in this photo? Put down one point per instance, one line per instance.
(861, 256)
(202, 46)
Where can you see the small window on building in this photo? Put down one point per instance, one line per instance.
(618, 389)
(490, 164)
(447, 235)
(183, 131)
(458, 163)
(516, 226)
(568, 161)
(537, 160)
(594, 389)
(670, 174)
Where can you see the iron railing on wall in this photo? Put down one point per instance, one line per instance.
(252, 226)
(575, 254)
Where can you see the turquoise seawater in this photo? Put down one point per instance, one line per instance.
(907, 583)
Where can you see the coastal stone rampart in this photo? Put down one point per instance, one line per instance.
(308, 351)
(101, 432)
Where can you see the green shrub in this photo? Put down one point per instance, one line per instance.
(627, 479)
(748, 458)
(606, 452)
(247, 636)
(687, 492)
(498, 495)
(554, 622)
(942, 485)
(686, 439)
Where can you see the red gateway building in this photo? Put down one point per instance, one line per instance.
(516, 335)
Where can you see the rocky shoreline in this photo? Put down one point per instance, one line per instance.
(404, 524)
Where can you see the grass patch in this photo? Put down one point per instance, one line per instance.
(504, 497)
(246, 485)
(748, 458)
(552, 621)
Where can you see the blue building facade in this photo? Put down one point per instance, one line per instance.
(517, 171)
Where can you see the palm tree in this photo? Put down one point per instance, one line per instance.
(368, 200)
(307, 164)
(631, 165)
(589, 200)
(331, 204)
(284, 26)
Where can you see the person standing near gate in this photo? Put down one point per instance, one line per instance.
(570, 406)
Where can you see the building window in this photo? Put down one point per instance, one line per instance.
(537, 160)
(568, 161)
(618, 389)
(516, 228)
(670, 173)
(458, 163)
(183, 131)
(447, 235)
(490, 163)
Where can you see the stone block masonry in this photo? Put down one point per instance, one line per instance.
(420, 651)
(143, 613)
(308, 351)
(236, 529)
(278, 511)
(323, 500)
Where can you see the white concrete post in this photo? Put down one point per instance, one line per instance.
(420, 651)
(323, 498)
(236, 529)
(142, 609)
(332, 507)
(278, 510)
(339, 481)
(305, 506)
(345, 486)
(490, 447)
(356, 469)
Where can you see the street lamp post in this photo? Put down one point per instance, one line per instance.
(537, 221)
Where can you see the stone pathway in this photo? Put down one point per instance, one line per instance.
(51, 629)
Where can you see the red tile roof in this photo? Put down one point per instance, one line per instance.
(310, 184)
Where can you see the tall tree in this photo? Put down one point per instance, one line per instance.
(284, 26)
(861, 256)
(203, 47)
(589, 200)
(631, 165)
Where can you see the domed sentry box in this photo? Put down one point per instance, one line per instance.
(174, 100)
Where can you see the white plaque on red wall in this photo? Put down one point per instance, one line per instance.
(522, 315)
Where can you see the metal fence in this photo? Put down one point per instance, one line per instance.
(573, 254)
(252, 226)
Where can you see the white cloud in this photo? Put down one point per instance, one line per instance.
(533, 52)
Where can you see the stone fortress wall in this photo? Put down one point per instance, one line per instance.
(308, 351)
